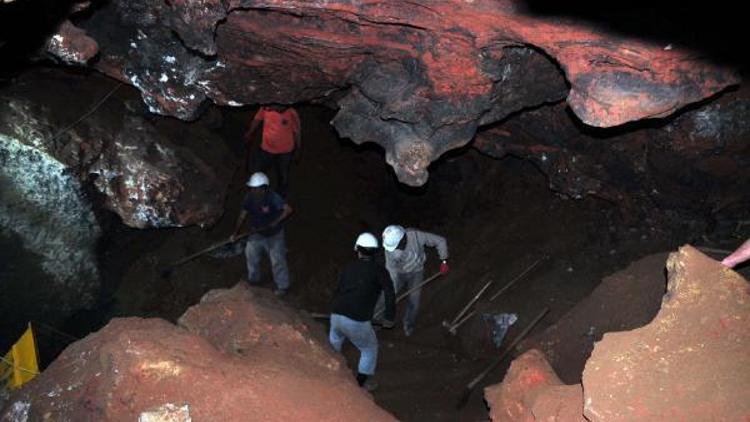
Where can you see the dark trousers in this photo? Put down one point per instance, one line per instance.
(261, 160)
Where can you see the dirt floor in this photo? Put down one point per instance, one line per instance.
(499, 217)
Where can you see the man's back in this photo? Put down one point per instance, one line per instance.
(359, 288)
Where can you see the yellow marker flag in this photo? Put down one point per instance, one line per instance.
(20, 364)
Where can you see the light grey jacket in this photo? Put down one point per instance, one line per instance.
(412, 258)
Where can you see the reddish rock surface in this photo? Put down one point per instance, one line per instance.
(531, 391)
(416, 78)
(148, 369)
(258, 327)
(71, 44)
(148, 179)
(625, 300)
(690, 363)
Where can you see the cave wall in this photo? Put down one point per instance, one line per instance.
(45, 208)
(150, 179)
(417, 78)
(696, 160)
(71, 152)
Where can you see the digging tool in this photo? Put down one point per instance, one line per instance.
(470, 387)
(167, 271)
(468, 305)
(512, 282)
(403, 295)
(453, 328)
(318, 315)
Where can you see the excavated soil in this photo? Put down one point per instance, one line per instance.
(499, 218)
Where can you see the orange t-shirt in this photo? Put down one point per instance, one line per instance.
(278, 129)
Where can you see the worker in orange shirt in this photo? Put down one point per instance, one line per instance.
(282, 140)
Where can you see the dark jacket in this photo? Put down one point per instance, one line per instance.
(359, 289)
(264, 211)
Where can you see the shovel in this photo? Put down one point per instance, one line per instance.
(470, 387)
(167, 271)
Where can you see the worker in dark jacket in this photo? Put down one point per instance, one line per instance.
(359, 288)
(267, 212)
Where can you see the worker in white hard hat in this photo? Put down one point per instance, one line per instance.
(360, 286)
(404, 260)
(267, 211)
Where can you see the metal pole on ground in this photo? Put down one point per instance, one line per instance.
(470, 387)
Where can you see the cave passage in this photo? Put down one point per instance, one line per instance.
(562, 152)
(499, 217)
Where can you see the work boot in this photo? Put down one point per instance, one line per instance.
(408, 330)
(370, 385)
(280, 292)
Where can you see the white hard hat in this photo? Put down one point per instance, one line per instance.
(392, 235)
(366, 240)
(257, 180)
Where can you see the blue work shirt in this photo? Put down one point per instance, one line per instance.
(264, 211)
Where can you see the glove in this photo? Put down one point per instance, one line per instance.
(388, 324)
(444, 268)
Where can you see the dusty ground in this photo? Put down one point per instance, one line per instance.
(498, 216)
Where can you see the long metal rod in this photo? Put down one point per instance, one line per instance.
(512, 282)
(471, 302)
(320, 315)
(470, 387)
(167, 271)
(455, 326)
(408, 292)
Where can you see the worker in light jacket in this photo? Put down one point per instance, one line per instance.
(404, 260)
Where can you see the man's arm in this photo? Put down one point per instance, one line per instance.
(390, 267)
(286, 211)
(297, 136)
(390, 296)
(435, 241)
(739, 256)
(240, 221)
(257, 120)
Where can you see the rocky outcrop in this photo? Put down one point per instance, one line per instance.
(60, 164)
(696, 161)
(623, 301)
(243, 355)
(416, 78)
(689, 363)
(531, 391)
(45, 208)
(71, 45)
(145, 177)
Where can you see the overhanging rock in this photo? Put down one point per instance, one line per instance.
(148, 179)
(439, 70)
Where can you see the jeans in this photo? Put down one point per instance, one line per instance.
(261, 160)
(361, 335)
(276, 248)
(405, 281)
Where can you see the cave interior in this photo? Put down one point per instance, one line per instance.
(553, 145)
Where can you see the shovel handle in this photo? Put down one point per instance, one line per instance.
(403, 295)
(211, 248)
(508, 349)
